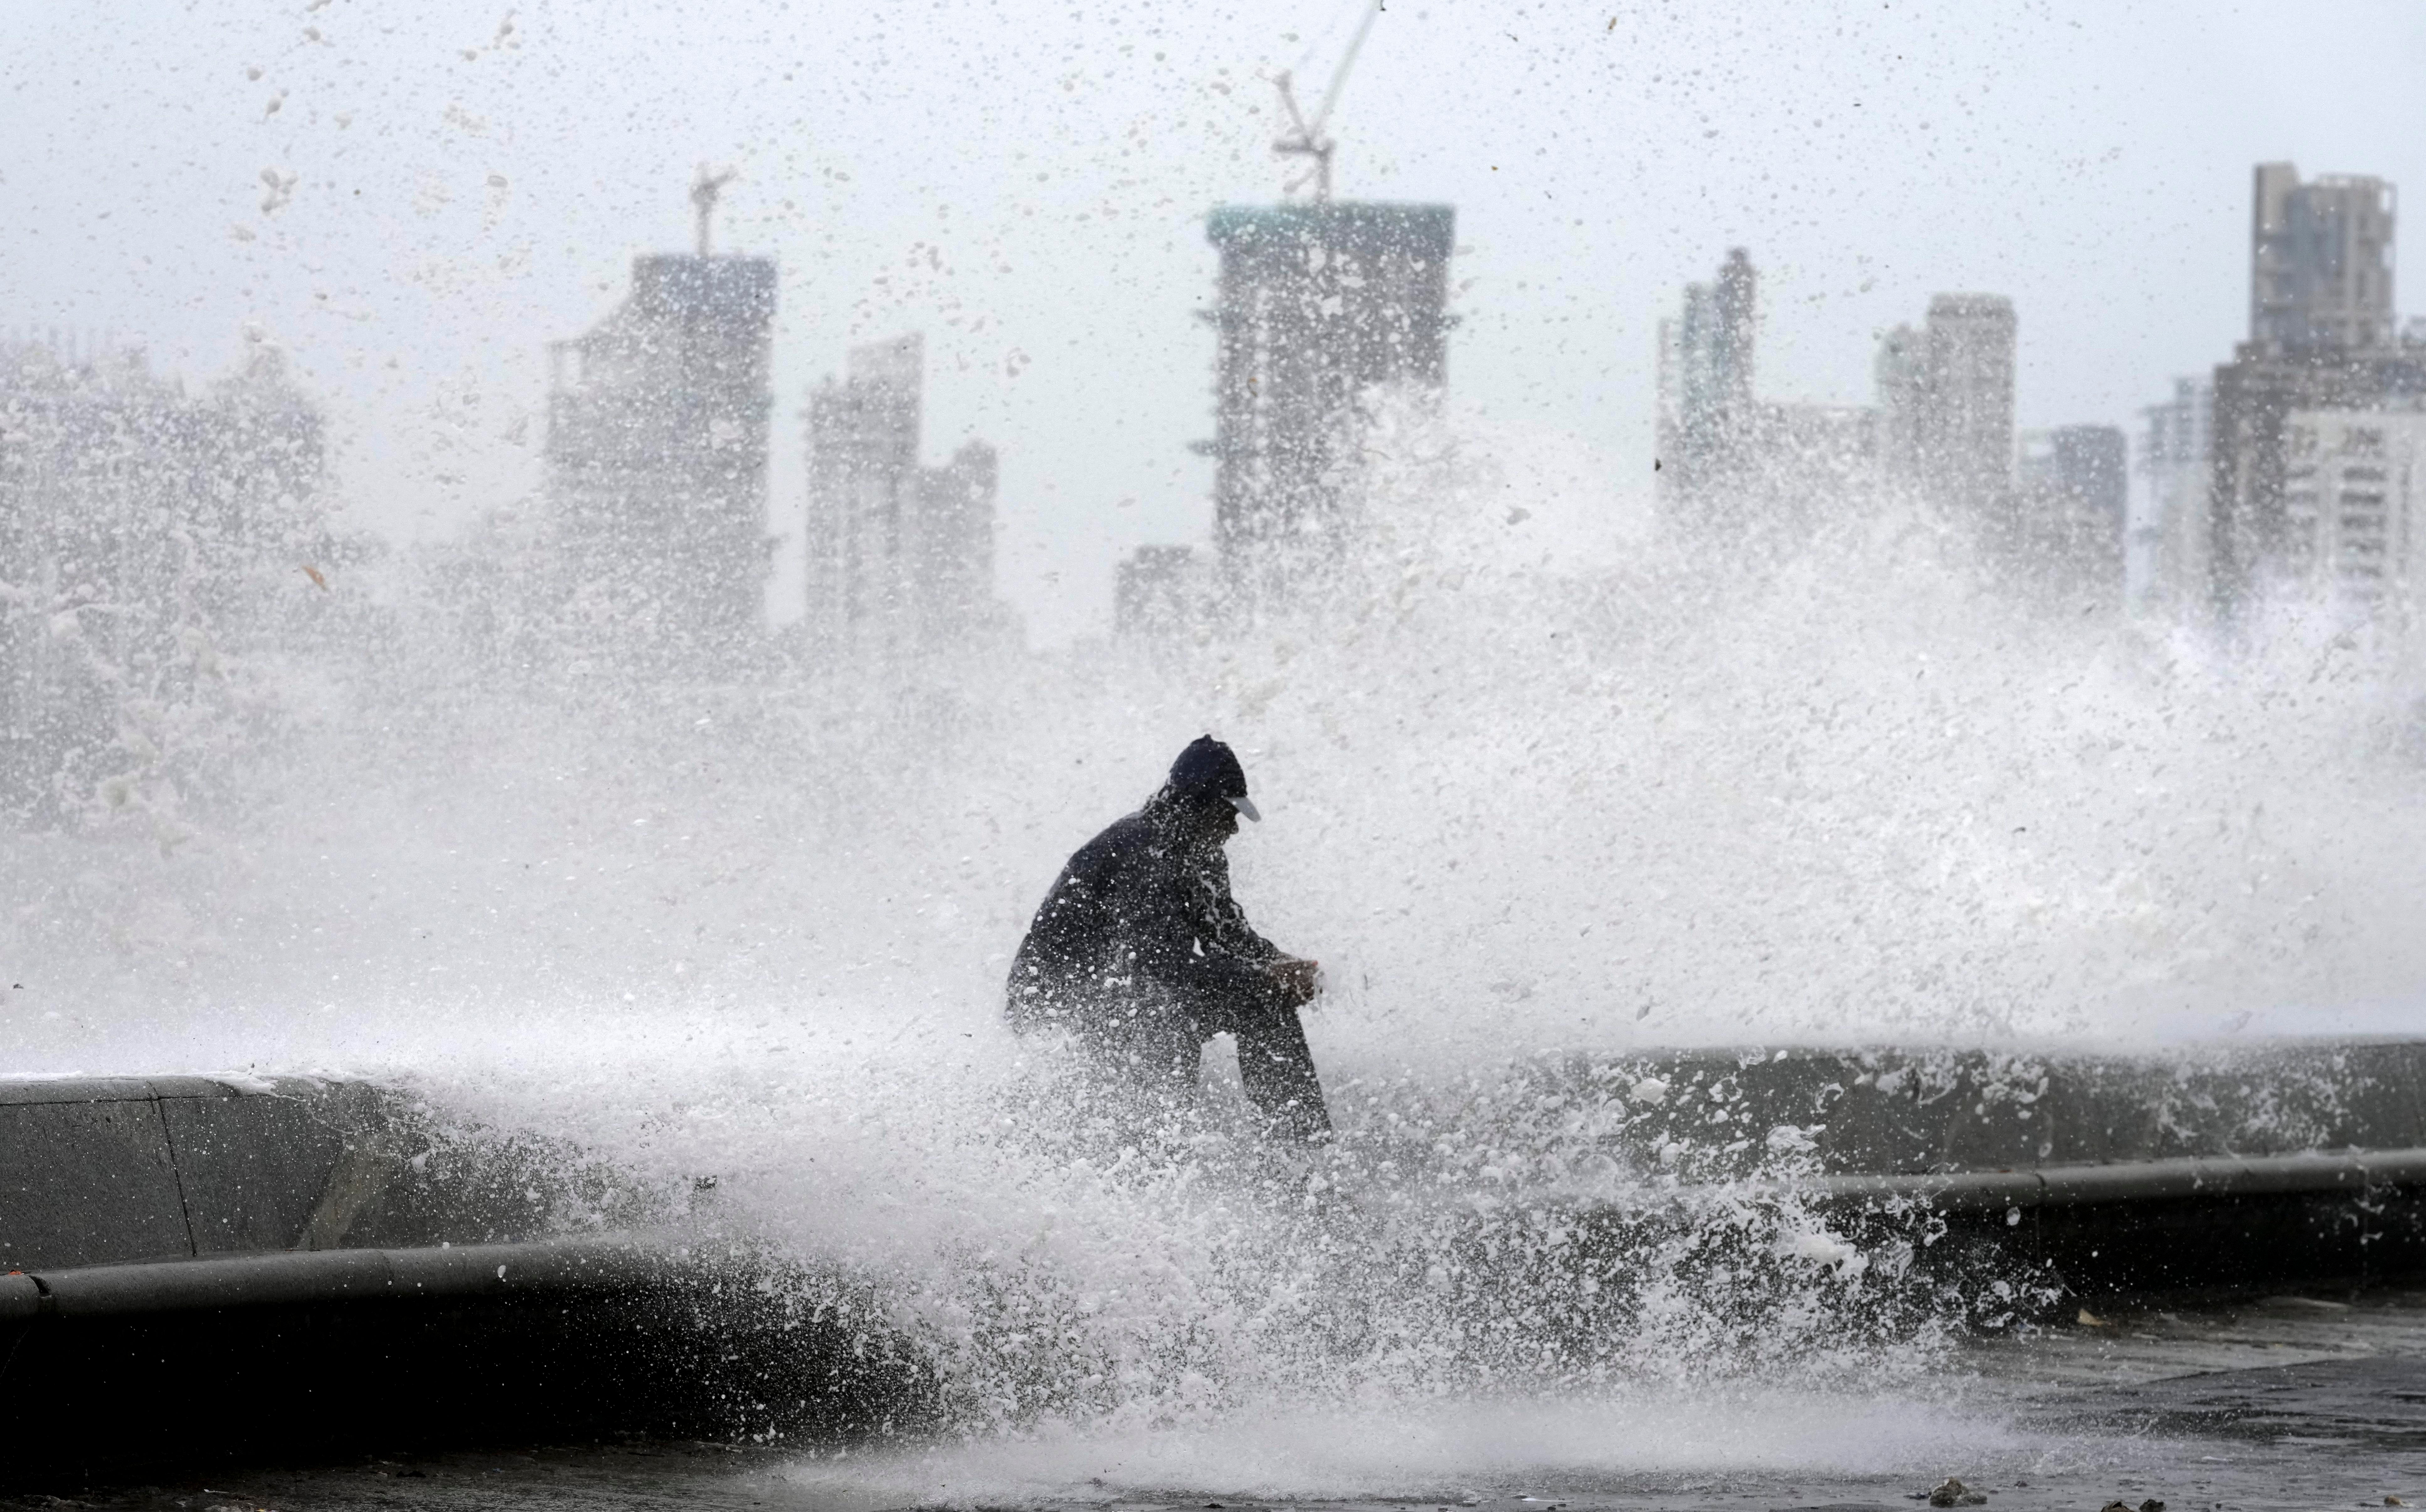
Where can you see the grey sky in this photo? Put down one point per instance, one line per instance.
(1026, 184)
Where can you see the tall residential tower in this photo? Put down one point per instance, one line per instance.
(2320, 260)
(1706, 387)
(1945, 392)
(2321, 340)
(2072, 509)
(656, 455)
(900, 556)
(1319, 306)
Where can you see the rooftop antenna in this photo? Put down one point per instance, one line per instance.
(704, 191)
(1308, 140)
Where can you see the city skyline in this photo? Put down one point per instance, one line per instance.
(1942, 425)
(2080, 191)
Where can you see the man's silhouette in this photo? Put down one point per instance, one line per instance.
(1142, 955)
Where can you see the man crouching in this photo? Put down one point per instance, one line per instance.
(1141, 954)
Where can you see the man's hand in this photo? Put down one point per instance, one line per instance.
(1298, 980)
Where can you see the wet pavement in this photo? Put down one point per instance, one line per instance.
(2288, 1403)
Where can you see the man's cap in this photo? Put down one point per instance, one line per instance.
(1209, 770)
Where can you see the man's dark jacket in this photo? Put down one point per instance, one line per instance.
(1140, 953)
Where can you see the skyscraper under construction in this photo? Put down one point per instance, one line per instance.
(656, 452)
(1319, 306)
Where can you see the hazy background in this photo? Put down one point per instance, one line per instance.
(757, 927)
(1026, 184)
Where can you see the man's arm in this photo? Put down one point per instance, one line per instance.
(1225, 955)
(1183, 959)
(1223, 922)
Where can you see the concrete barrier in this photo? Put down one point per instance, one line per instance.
(101, 1171)
(611, 1264)
(1907, 1111)
(2353, 1173)
(86, 1176)
(96, 1173)
(283, 1236)
(197, 1270)
(2200, 1170)
(132, 1372)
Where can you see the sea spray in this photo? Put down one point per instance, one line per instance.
(752, 926)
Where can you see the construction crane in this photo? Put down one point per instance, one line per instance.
(1308, 140)
(703, 192)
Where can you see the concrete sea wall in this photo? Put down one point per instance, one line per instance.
(95, 1172)
(1896, 1110)
(102, 1171)
(348, 1270)
(2198, 1170)
(196, 1270)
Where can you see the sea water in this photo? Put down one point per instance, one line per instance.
(1542, 777)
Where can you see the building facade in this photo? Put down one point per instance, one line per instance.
(147, 535)
(1319, 307)
(2170, 532)
(2322, 337)
(2256, 395)
(900, 556)
(1730, 459)
(656, 460)
(1945, 405)
(1899, 378)
(1965, 421)
(2320, 260)
(1706, 419)
(1941, 428)
(2353, 493)
(2072, 503)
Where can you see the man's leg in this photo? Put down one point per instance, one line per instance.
(1278, 1070)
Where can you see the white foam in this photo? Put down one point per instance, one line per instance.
(1502, 1448)
(758, 932)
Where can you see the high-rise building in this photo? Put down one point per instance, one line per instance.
(1942, 428)
(951, 544)
(900, 556)
(1728, 458)
(2320, 337)
(2070, 509)
(1319, 307)
(1945, 400)
(145, 532)
(1158, 590)
(1807, 459)
(1707, 417)
(1967, 414)
(2319, 262)
(864, 437)
(656, 455)
(2256, 394)
(2354, 503)
(1900, 377)
(2171, 536)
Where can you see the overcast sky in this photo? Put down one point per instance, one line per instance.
(1026, 184)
